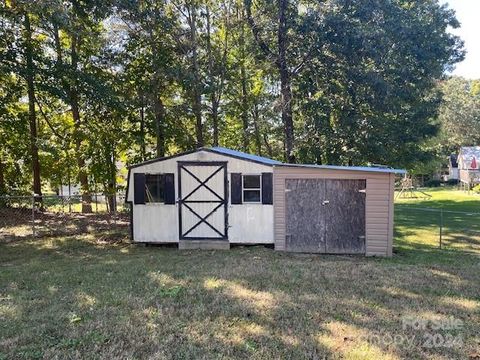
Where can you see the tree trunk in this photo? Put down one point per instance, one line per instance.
(3, 188)
(213, 90)
(267, 145)
(285, 81)
(58, 45)
(215, 122)
(258, 141)
(197, 111)
(244, 109)
(112, 182)
(143, 151)
(196, 95)
(243, 80)
(159, 111)
(32, 118)
(78, 132)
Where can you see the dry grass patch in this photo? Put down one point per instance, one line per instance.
(77, 298)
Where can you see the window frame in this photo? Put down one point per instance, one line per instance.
(259, 189)
(162, 182)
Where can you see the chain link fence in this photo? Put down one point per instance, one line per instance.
(439, 228)
(24, 217)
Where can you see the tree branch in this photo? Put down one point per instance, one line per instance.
(304, 60)
(47, 121)
(256, 31)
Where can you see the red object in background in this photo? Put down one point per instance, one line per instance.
(473, 164)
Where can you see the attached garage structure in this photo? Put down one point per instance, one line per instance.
(214, 197)
(332, 209)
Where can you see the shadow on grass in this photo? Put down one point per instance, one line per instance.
(68, 296)
(418, 228)
(16, 224)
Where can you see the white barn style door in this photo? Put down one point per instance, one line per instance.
(203, 199)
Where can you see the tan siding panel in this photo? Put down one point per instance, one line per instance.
(377, 232)
(376, 216)
(378, 237)
(380, 254)
(377, 248)
(375, 209)
(377, 197)
(391, 216)
(377, 202)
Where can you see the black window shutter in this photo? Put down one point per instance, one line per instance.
(169, 189)
(267, 188)
(236, 188)
(138, 188)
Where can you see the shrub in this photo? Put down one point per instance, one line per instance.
(452, 182)
(433, 183)
(476, 188)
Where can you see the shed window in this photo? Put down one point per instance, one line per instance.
(154, 188)
(252, 188)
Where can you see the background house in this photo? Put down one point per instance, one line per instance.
(452, 168)
(468, 165)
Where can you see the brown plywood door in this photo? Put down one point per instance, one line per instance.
(345, 216)
(305, 222)
(325, 216)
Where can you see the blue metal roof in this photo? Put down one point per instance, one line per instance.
(242, 155)
(267, 161)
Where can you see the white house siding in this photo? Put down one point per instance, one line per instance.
(158, 223)
(65, 190)
(453, 174)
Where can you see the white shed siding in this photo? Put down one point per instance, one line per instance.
(378, 211)
(248, 223)
(155, 223)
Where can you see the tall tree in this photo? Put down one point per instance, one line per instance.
(338, 81)
(217, 38)
(459, 114)
(74, 29)
(149, 60)
(32, 116)
(285, 48)
(190, 12)
(367, 94)
(20, 58)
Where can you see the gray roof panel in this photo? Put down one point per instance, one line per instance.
(350, 168)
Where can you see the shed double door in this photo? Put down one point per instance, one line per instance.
(325, 215)
(202, 200)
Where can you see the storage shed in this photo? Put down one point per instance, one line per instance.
(214, 197)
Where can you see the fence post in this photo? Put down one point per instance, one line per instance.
(33, 215)
(441, 227)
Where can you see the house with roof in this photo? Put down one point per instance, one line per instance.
(213, 198)
(469, 166)
(452, 173)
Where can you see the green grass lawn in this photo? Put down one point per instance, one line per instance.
(79, 297)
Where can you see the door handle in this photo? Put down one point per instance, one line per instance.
(325, 202)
